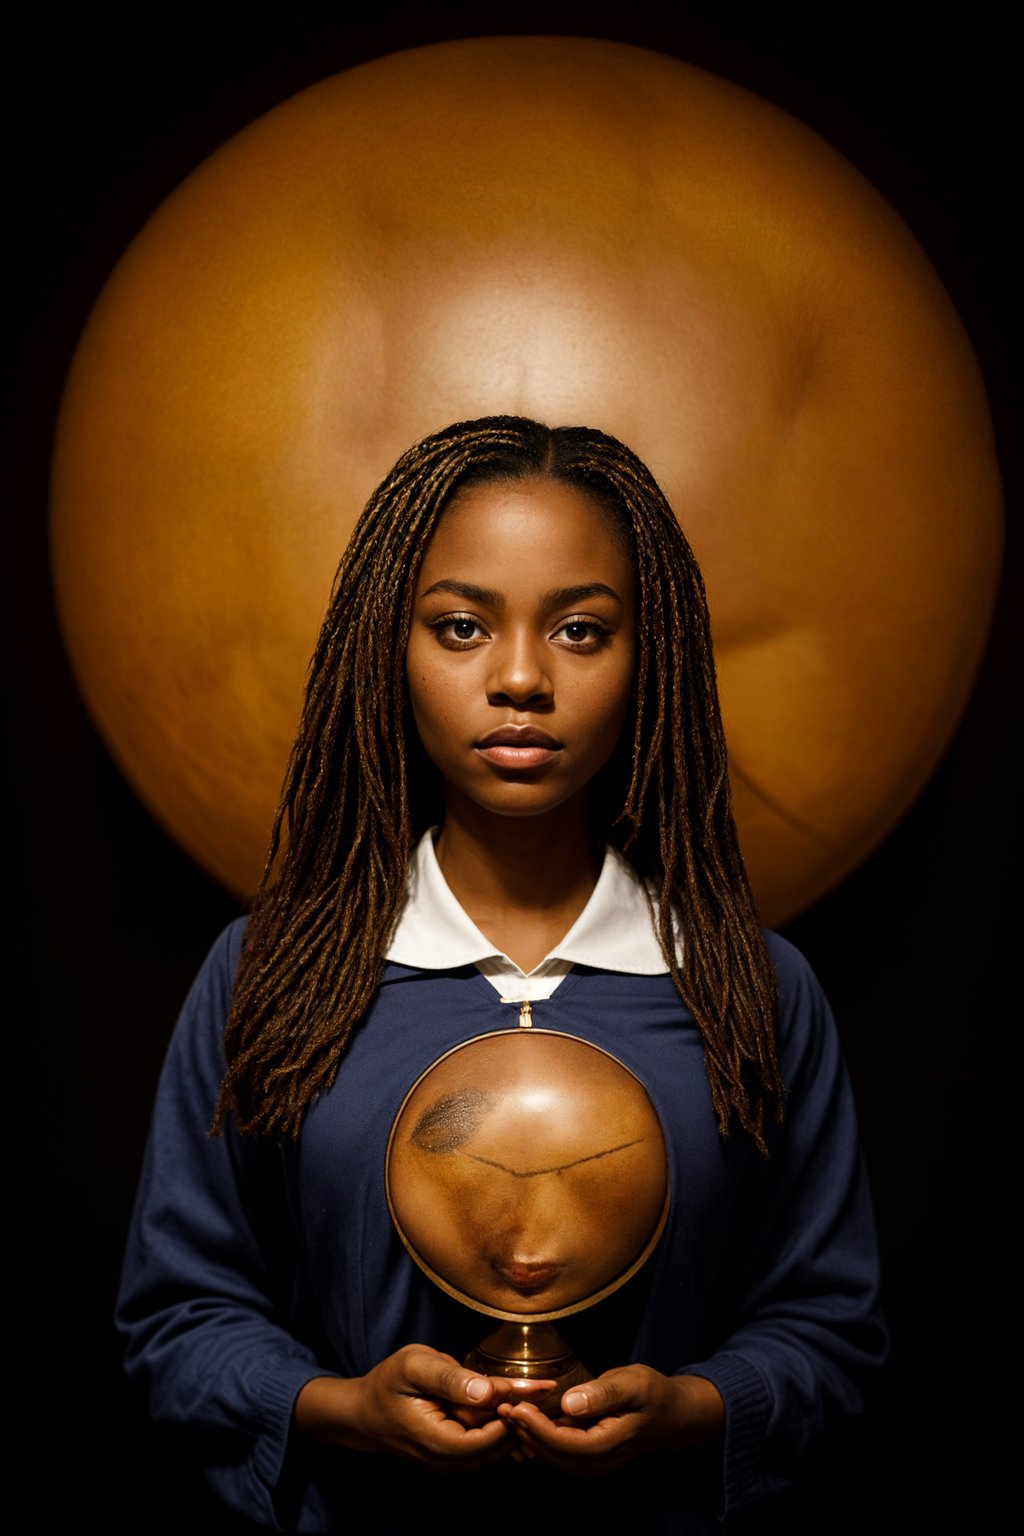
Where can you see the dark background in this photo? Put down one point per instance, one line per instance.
(107, 920)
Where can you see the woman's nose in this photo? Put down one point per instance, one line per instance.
(531, 1225)
(520, 673)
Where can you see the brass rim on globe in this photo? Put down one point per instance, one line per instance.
(593, 1297)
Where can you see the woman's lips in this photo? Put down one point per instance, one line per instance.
(517, 757)
(526, 1277)
(521, 747)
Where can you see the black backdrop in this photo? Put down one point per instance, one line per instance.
(108, 920)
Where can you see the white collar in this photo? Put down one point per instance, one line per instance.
(614, 932)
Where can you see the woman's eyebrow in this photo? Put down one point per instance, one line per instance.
(565, 595)
(534, 1173)
(558, 597)
(473, 594)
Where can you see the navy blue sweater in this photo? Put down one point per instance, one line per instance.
(250, 1269)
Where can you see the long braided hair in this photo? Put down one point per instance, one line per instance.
(359, 791)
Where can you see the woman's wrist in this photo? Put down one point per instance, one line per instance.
(327, 1408)
(700, 1410)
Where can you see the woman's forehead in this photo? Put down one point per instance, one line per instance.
(551, 523)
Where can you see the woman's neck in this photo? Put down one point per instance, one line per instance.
(522, 880)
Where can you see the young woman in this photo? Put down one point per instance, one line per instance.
(509, 786)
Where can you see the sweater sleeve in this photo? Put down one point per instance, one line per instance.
(806, 1332)
(208, 1247)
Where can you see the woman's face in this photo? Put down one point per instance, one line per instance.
(520, 659)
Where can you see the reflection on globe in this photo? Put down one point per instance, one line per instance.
(527, 1174)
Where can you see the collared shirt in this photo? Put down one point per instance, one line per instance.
(614, 932)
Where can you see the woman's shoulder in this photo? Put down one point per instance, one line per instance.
(230, 938)
(223, 953)
(210, 992)
(790, 963)
(806, 1025)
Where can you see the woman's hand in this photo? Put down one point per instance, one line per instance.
(419, 1404)
(625, 1413)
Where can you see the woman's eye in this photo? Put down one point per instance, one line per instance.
(456, 630)
(581, 632)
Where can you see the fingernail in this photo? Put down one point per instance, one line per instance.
(576, 1402)
(477, 1390)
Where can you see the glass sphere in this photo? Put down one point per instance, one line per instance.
(527, 1174)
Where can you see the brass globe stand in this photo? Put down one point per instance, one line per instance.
(530, 1352)
(527, 1177)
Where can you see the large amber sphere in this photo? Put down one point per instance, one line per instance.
(583, 232)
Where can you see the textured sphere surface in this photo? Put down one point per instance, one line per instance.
(579, 231)
(527, 1174)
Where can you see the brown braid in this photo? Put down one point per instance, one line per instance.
(359, 791)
